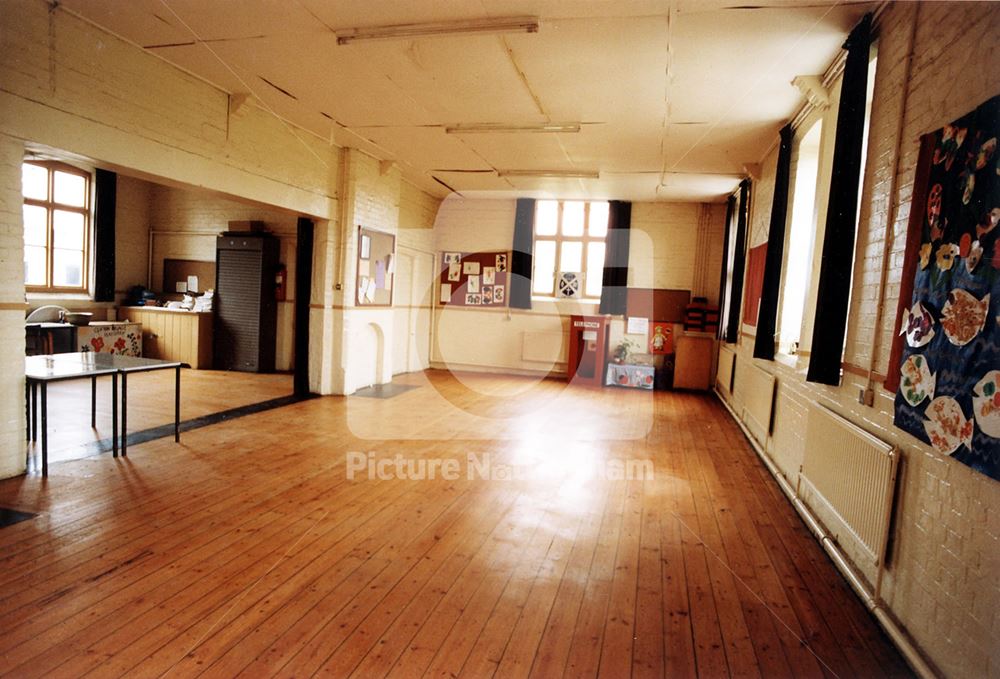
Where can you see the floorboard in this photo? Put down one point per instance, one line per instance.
(248, 549)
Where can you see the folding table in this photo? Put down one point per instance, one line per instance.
(40, 370)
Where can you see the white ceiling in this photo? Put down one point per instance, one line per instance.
(675, 96)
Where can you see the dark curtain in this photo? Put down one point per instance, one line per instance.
(303, 295)
(614, 290)
(105, 199)
(914, 239)
(764, 344)
(739, 265)
(522, 250)
(723, 275)
(835, 272)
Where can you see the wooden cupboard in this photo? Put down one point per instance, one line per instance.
(693, 361)
(173, 335)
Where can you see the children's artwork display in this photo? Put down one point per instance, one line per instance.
(948, 391)
(375, 267)
(473, 279)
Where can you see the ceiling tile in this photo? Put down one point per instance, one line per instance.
(427, 148)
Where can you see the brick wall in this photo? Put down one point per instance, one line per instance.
(12, 308)
(941, 582)
(131, 233)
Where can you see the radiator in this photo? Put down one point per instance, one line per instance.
(758, 400)
(543, 347)
(724, 375)
(853, 474)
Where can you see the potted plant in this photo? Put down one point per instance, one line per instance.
(622, 351)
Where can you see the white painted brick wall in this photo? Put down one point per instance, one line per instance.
(942, 580)
(12, 443)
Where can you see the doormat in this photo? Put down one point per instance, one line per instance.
(8, 517)
(385, 390)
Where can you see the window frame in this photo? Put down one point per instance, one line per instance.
(810, 226)
(50, 206)
(559, 238)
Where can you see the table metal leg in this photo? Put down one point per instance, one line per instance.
(45, 429)
(27, 410)
(124, 414)
(114, 414)
(34, 411)
(93, 402)
(177, 406)
(27, 421)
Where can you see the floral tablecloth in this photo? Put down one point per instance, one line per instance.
(122, 338)
(636, 376)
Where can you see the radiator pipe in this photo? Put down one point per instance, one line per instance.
(901, 640)
(888, 238)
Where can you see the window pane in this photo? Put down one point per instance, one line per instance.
(34, 225)
(70, 189)
(598, 220)
(34, 265)
(34, 181)
(67, 230)
(543, 281)
(595, 270)
(571, 256)
(800, 239)
(572, 224)
(546, 217)
(67, 268)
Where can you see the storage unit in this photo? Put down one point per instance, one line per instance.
(693, 362)
(49, 338)
(173, 334)
(245, 304)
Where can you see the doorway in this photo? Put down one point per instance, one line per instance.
(412, 311)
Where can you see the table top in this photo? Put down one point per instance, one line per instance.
(54, 367)
(50, 325)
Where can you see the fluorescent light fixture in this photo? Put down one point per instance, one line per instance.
(551, 174)
(402, 31)
(475, 128)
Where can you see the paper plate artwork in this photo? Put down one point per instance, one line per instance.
(919, 327)
(946, 255)
(946, 425)
(986, 403)
(963, 316)
(925, 255)
(917, 382)
(974, 257)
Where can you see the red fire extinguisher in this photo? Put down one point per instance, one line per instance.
(279, 283)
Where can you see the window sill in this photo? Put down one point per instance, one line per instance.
(793, 361)
(564, 300)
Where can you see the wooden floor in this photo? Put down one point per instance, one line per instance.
(245, 549)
